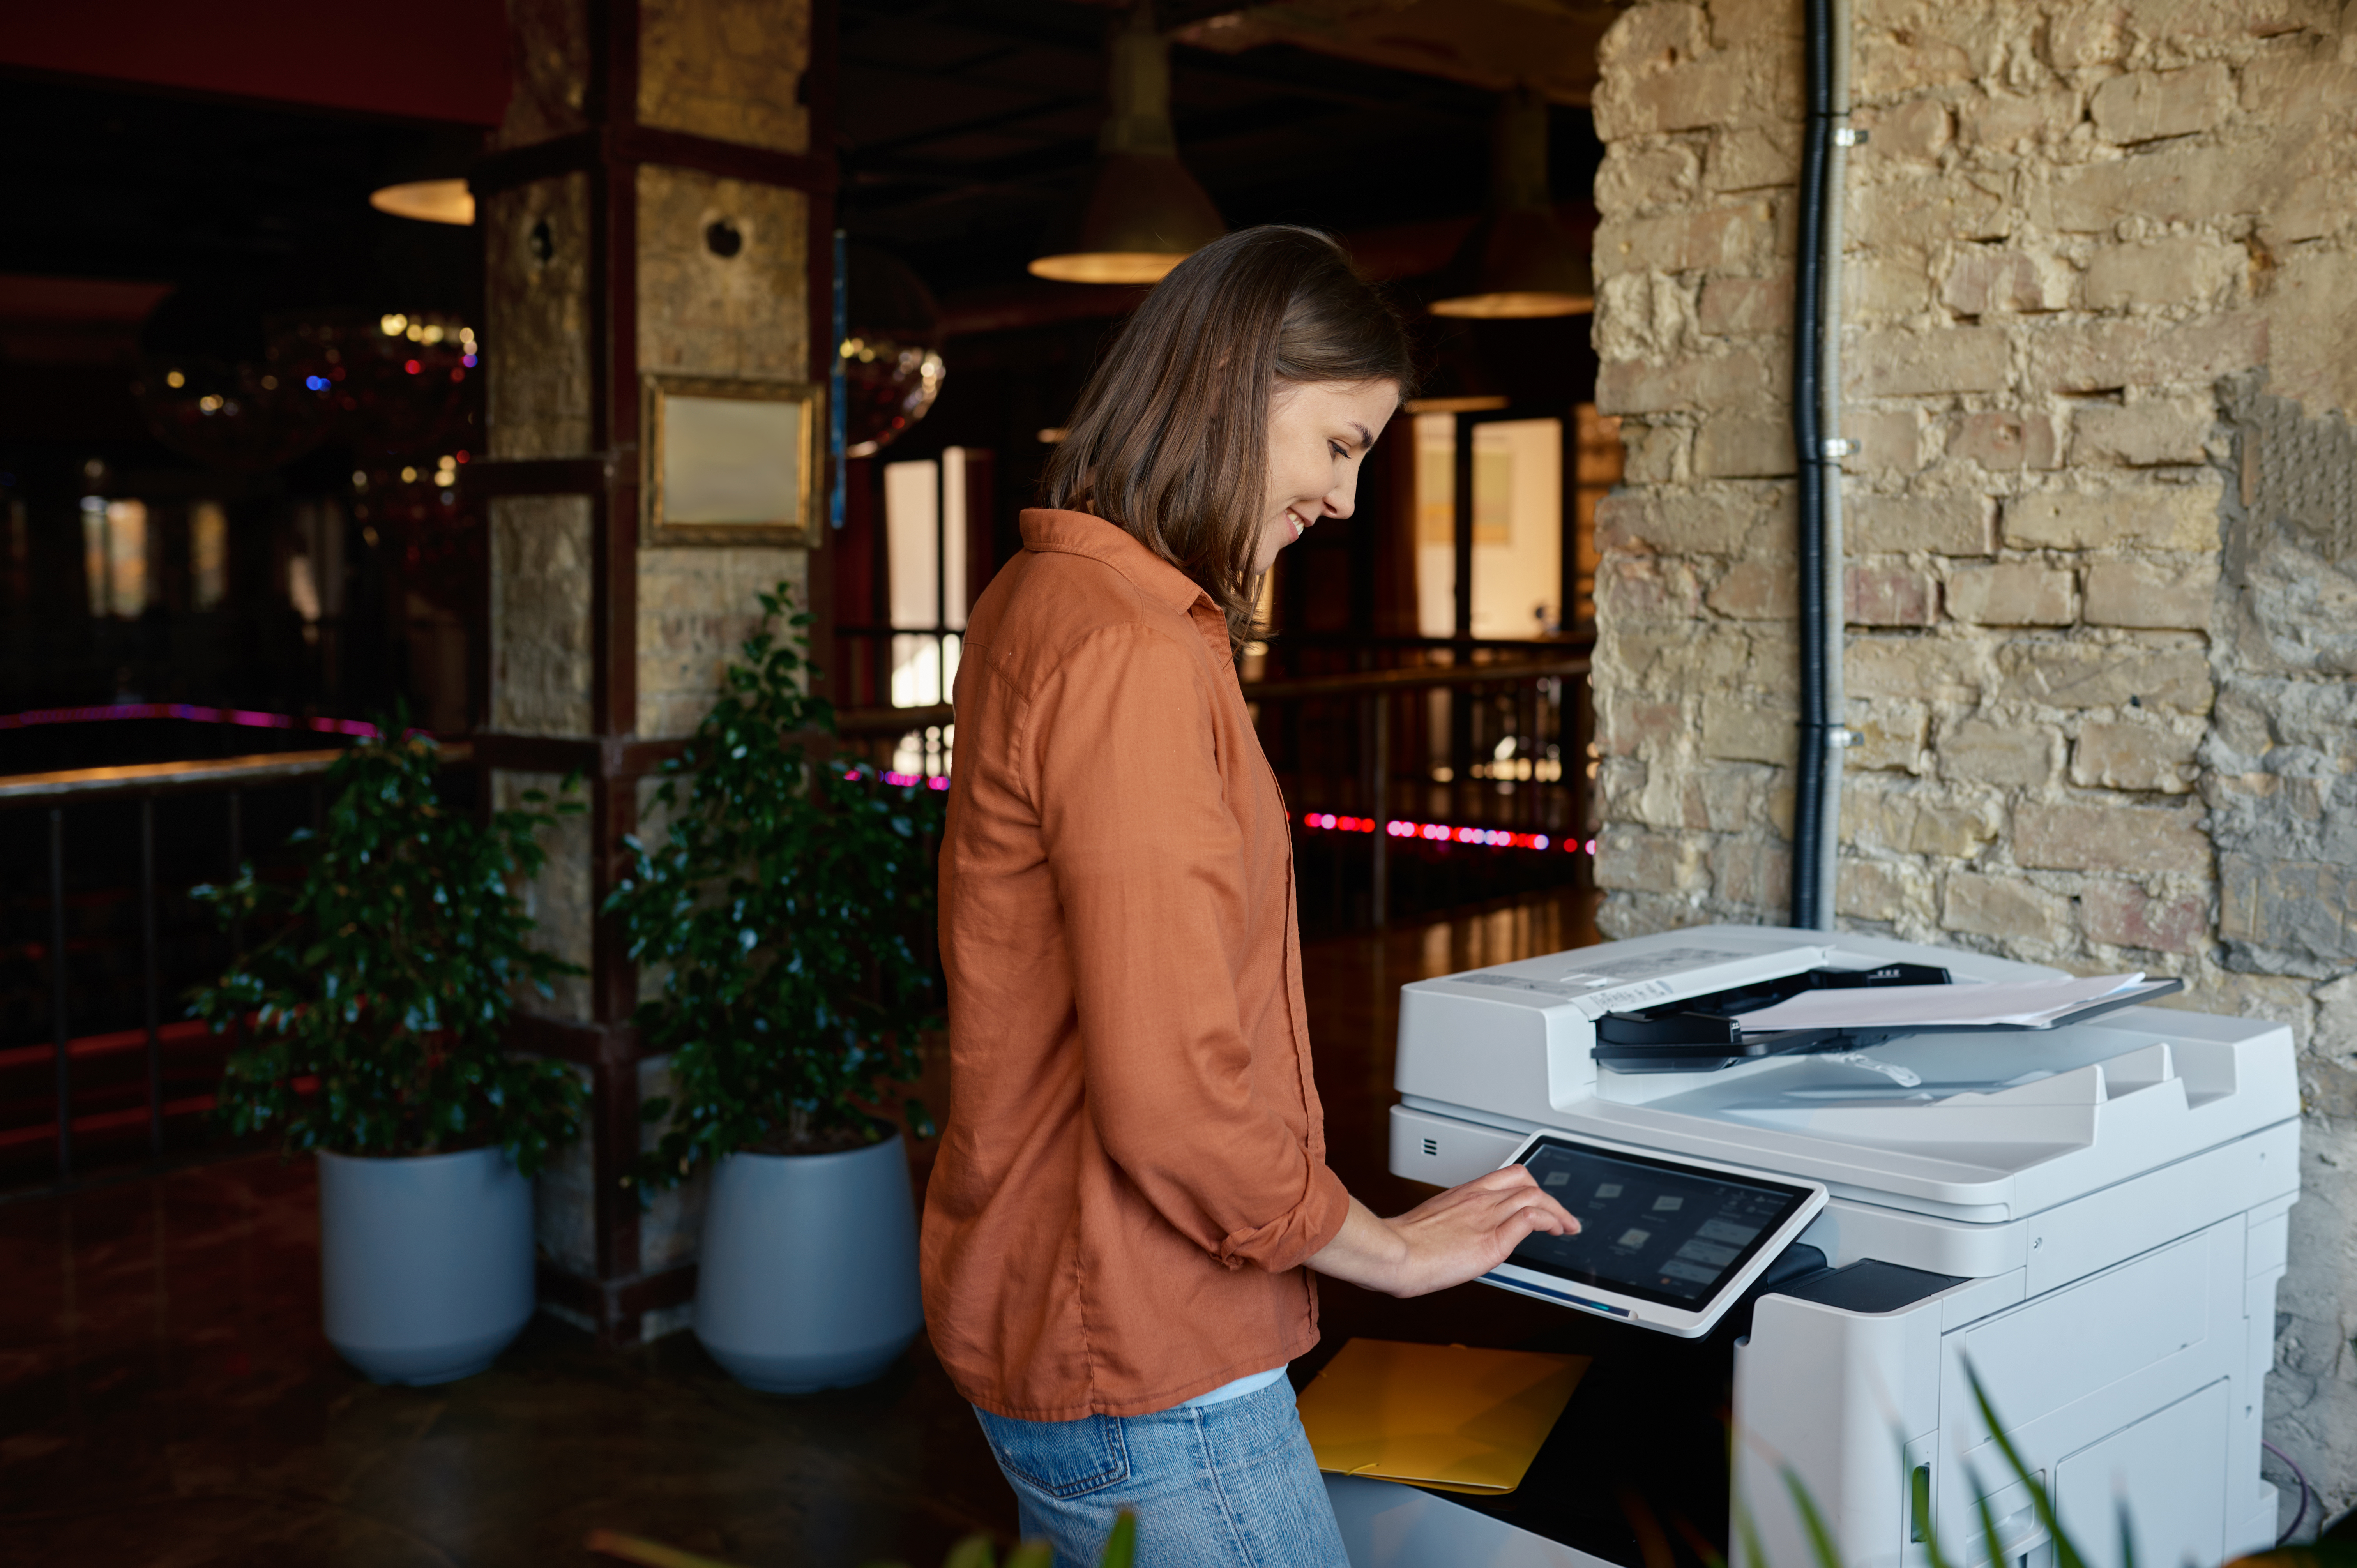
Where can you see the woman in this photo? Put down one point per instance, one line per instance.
(1132, 1187)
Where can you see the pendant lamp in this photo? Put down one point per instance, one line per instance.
(1139, 212)
(427, 200)
(1518, 261)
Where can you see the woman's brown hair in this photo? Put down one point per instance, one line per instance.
(1170, 438)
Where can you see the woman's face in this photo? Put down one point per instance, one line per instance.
(1319, 432)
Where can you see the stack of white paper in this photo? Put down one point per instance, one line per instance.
(2021, 1004)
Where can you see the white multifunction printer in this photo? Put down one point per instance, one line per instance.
(2091, 1217)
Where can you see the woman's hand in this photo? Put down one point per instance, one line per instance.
(1460, 1235)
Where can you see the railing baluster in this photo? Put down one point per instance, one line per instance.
(152, 983)
(1380, 899)
(237, 923)
(58, 1029)
(1529, 753)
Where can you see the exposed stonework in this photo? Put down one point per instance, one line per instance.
(702, 314)
(550, 40)
(540, 615)
(536, 244)
(741, 317)
(2282, 785)
(2100, 279)
(738, 309)
(696, 606)
(730, 70)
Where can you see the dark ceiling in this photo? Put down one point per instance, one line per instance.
(262, 204)
(962, 122)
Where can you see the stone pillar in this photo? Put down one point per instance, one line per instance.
(2101, 274)
(649, 205)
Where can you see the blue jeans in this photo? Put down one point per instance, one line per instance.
(1225, 1485)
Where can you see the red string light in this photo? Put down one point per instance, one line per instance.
(1444, 833)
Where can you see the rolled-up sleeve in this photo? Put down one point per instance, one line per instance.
(1148, 861)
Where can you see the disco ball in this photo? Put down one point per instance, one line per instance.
(892, 368)
(887, 387)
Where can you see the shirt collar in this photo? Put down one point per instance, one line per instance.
(1078, 534)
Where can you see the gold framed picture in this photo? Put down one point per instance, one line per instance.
(730, 461)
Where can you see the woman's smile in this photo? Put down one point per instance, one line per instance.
(1318, 434)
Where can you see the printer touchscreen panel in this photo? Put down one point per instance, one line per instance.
(1650, 1229)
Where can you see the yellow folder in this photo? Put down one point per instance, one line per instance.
(1436, 1415)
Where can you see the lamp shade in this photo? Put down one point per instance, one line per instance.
(1139, 213)
(427, 200)
(1517, 264)
(1518, 261)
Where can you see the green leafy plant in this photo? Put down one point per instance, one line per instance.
(787, 903)
(379, 1005)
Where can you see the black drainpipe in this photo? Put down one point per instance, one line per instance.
(1812, 899)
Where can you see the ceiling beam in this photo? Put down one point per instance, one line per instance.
(968, 128)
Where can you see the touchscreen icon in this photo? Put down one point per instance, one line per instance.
(1633, 1238)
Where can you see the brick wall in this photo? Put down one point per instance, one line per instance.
(2100, 282)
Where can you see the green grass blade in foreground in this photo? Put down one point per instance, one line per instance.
(1822, 1545)
(1032, 1554)
(1988, 1521)
(1746, 1535)
(2066, 1553)
(1121, 1546)
(1920, 1507)
(974, 1551)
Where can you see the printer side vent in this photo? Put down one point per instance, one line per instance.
(1432, 1146)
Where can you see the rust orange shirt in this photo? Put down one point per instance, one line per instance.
(1134, 1167)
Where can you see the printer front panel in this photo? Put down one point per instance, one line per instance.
(2139, 1385)
(2145, 1381)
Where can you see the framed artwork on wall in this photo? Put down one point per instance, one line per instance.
(731, 462)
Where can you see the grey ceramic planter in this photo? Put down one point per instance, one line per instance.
(424, 1263)
(809, 1272)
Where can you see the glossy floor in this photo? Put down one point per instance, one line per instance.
(166, 1398)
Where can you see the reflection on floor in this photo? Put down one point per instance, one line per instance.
(166, 1398)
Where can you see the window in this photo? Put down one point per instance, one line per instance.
(927, 514)
(114, 557)
(207, 555)
(925, 529)
(1518, 526)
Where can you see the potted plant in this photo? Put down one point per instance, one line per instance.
(787, 906)
(375, 1016)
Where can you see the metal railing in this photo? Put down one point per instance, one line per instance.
(215, 854)
(1494, 740)
(54, 794)
(1485, 760)
(1493, 751)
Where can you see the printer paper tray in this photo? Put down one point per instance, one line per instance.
(1688, 1036)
